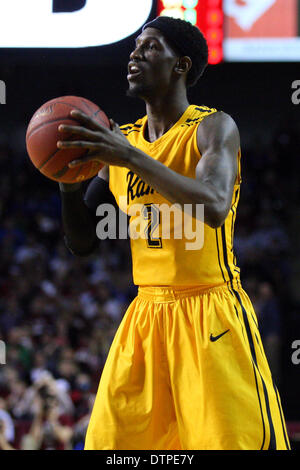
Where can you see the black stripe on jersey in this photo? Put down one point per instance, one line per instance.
(281, 418)
(260, 407)
(130, 126)
(254, 320)
(258, 342)
(190, 122)
(225, 254)
(126, 129)
(232, 220)
(254, 372)
(248, 332)
(238, 317)
(272, 443)
(132, 130)
(232, 227)
(218, 250)
(203, 109)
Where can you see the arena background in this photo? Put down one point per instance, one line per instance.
(58, 313)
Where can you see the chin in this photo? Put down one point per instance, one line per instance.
(137, 91)
(134, 91)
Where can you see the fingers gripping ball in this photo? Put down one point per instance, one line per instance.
(42, 136)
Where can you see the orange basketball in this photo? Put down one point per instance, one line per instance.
(42, 136)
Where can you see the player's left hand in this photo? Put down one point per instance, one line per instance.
(109, 146)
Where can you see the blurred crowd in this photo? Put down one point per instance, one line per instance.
(59, 313)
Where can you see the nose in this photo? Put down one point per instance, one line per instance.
(136, 54)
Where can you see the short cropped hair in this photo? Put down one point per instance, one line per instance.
(186, 40)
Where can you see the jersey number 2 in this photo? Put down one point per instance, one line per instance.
(152, 215)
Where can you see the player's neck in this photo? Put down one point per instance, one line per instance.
(163, 114)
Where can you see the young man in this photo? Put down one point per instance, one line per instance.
(186, 369)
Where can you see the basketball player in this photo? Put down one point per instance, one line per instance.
(186, 369)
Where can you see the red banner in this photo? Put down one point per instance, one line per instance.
(265, 18)
(206, 14)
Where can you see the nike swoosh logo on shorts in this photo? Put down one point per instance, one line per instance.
(214, 338)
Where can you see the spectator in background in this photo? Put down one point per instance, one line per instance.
(50, 430)
(7, 429)
(46, 386)
(4, 443)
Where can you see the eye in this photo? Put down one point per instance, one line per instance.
(147, 45)
(150, 45)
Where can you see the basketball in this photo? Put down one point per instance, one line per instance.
(42, 135)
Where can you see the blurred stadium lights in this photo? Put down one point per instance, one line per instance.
(242, 31)
(50, 24)
(206, 14)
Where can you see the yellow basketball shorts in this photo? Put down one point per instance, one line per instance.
(187, 370)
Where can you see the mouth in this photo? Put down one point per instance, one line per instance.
(133, 71)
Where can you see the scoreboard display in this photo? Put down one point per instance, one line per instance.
(243, 30)
(261, 30)
(206, 14)
(235, 30)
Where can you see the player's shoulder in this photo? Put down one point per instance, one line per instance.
(203, 109)
(219, 128)
(209, 117)
(218, 119)
(196, 113)
(132, 127)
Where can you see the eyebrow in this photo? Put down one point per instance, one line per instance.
(147, 37)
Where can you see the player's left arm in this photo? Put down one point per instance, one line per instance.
(218, 142)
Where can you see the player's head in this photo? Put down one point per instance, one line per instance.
(186, 40)
(179, 43)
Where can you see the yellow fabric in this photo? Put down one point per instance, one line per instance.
(186, 369)
(166, 385)
(164, 261)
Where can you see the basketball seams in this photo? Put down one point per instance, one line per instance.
(62, 118)
(47, 160)
(91, 110)
(37, 128)
(87, 106)
(64, 173)
(70, 105)
(100, 118)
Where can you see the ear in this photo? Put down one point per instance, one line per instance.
(183, 65)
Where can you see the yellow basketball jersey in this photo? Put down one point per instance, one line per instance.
(164, 252)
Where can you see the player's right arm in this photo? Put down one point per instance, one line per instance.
(79, 212)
